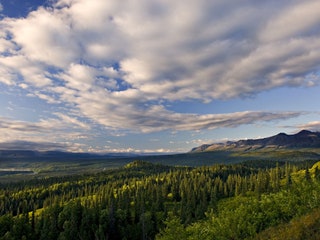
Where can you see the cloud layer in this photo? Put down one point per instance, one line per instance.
(55, 133)
(118, 63)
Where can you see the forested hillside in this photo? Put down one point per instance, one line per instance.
(251, 200)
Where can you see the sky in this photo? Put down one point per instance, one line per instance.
(155, 76)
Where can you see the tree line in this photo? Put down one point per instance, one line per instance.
(146, 201)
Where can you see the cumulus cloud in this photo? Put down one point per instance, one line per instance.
(44, 37)
(116, 62)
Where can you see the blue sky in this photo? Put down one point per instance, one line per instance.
(155, 76)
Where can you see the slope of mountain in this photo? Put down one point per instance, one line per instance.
(303, 139)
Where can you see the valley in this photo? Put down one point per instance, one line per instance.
(251, 193)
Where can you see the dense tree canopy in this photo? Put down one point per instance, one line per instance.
(148, 201)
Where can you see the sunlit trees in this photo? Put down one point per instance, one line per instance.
(146, 201)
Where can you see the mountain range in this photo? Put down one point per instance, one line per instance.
(303, 139)
(33, 154)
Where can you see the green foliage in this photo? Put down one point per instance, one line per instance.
(6, 222)
(146, 201)
(174, 230)
(301, 228)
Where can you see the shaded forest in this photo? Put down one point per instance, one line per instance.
(249, 200)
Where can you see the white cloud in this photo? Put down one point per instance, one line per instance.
(115, 62)
(132, 150)
(45, 130)
(42, 96)
(19, 68)
(72, 121)
(312, 126)
(44, 36)
(298, 20)
(6, 45)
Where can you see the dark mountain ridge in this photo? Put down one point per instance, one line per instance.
(303, 139)
(33, 154)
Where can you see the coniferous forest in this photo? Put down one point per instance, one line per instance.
(249, 200)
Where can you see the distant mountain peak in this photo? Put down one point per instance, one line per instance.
(304, 132)
(282, 134)
(302, 139)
